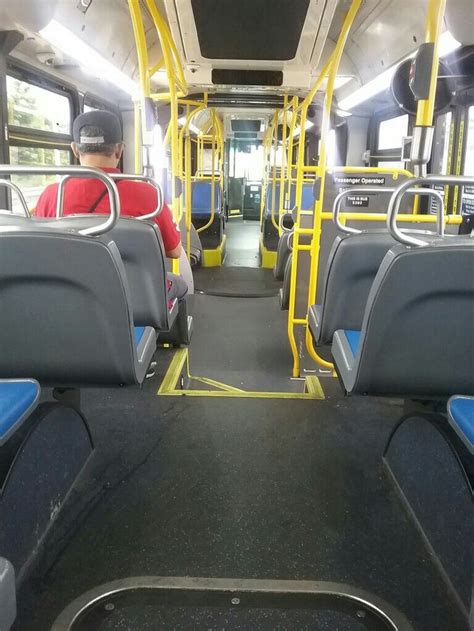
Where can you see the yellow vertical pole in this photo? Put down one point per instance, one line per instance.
(331, 68)
(213, 165)
(138, 136)
(188, 191)
(434, 26)
(284, 161)
(274, 168)
(291, 143)
(325, 127)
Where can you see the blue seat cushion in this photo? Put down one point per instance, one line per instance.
(461, 413)
(138, 331)
(353, 337)
(17, 400)
(201, 198)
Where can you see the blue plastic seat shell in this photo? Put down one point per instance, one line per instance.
(18, 398)
(461, 418)
(138, 332)
(201, 198)
(353, 337)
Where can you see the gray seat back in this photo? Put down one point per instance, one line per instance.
(417, 335)
(142, 252)
(196, 245)
(285, 288)
(65, 316)
(283, 253)
(352, 265)
(7, 595)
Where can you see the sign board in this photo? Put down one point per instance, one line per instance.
(467, 201)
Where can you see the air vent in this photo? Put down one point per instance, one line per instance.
(247, 77)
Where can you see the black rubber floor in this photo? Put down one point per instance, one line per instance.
(237, 282)
(242, 343)
(237, 488)
(240, 488)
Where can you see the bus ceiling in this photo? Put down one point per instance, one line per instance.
(245, 61)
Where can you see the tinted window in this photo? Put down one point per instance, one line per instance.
(33, 107)
(33, 185)
(392, 131)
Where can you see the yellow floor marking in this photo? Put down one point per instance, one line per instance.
(180, 362)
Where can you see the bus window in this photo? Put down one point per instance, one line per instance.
(469, 152)
(391, 132)
(391, 164)
(39, 125)
(36, 108)
(33, 185)
(249, 163)
(440, 161)
(331, 149)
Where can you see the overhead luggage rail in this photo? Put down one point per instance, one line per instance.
(77, 171)
(117, 177)
(403, 189)
(21, 198)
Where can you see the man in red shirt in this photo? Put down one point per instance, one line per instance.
(98, 143)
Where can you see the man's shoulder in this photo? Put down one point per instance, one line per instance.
(51, 189)
(139, 188)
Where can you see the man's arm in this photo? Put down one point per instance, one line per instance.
(175, 253)
(170, 234)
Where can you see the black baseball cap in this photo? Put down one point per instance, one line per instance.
(107, 124)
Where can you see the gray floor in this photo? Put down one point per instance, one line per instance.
(242, 243)
(237, 488)
(243, 343)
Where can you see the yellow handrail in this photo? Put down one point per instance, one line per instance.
(176, 85)
(217, 150)
(331, 68)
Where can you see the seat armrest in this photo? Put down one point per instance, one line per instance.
(314, 322)
(461, 419)
(345, 356)
(7, 595)
(146, 348)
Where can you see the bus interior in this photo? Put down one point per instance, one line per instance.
(291, 445)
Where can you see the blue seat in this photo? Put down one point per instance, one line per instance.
(201, 198)
(18, 398)
(353, 338)
(461, 418)
(307, 196)
(138, 331)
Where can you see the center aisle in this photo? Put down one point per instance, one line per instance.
(242, 343)
(243, 488)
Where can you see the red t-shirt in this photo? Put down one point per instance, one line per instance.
(136, 198)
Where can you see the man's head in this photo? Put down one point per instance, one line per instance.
(97, 139)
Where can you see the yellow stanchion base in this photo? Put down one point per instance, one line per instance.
(235, 213)
(267, 257)
(215, 257)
